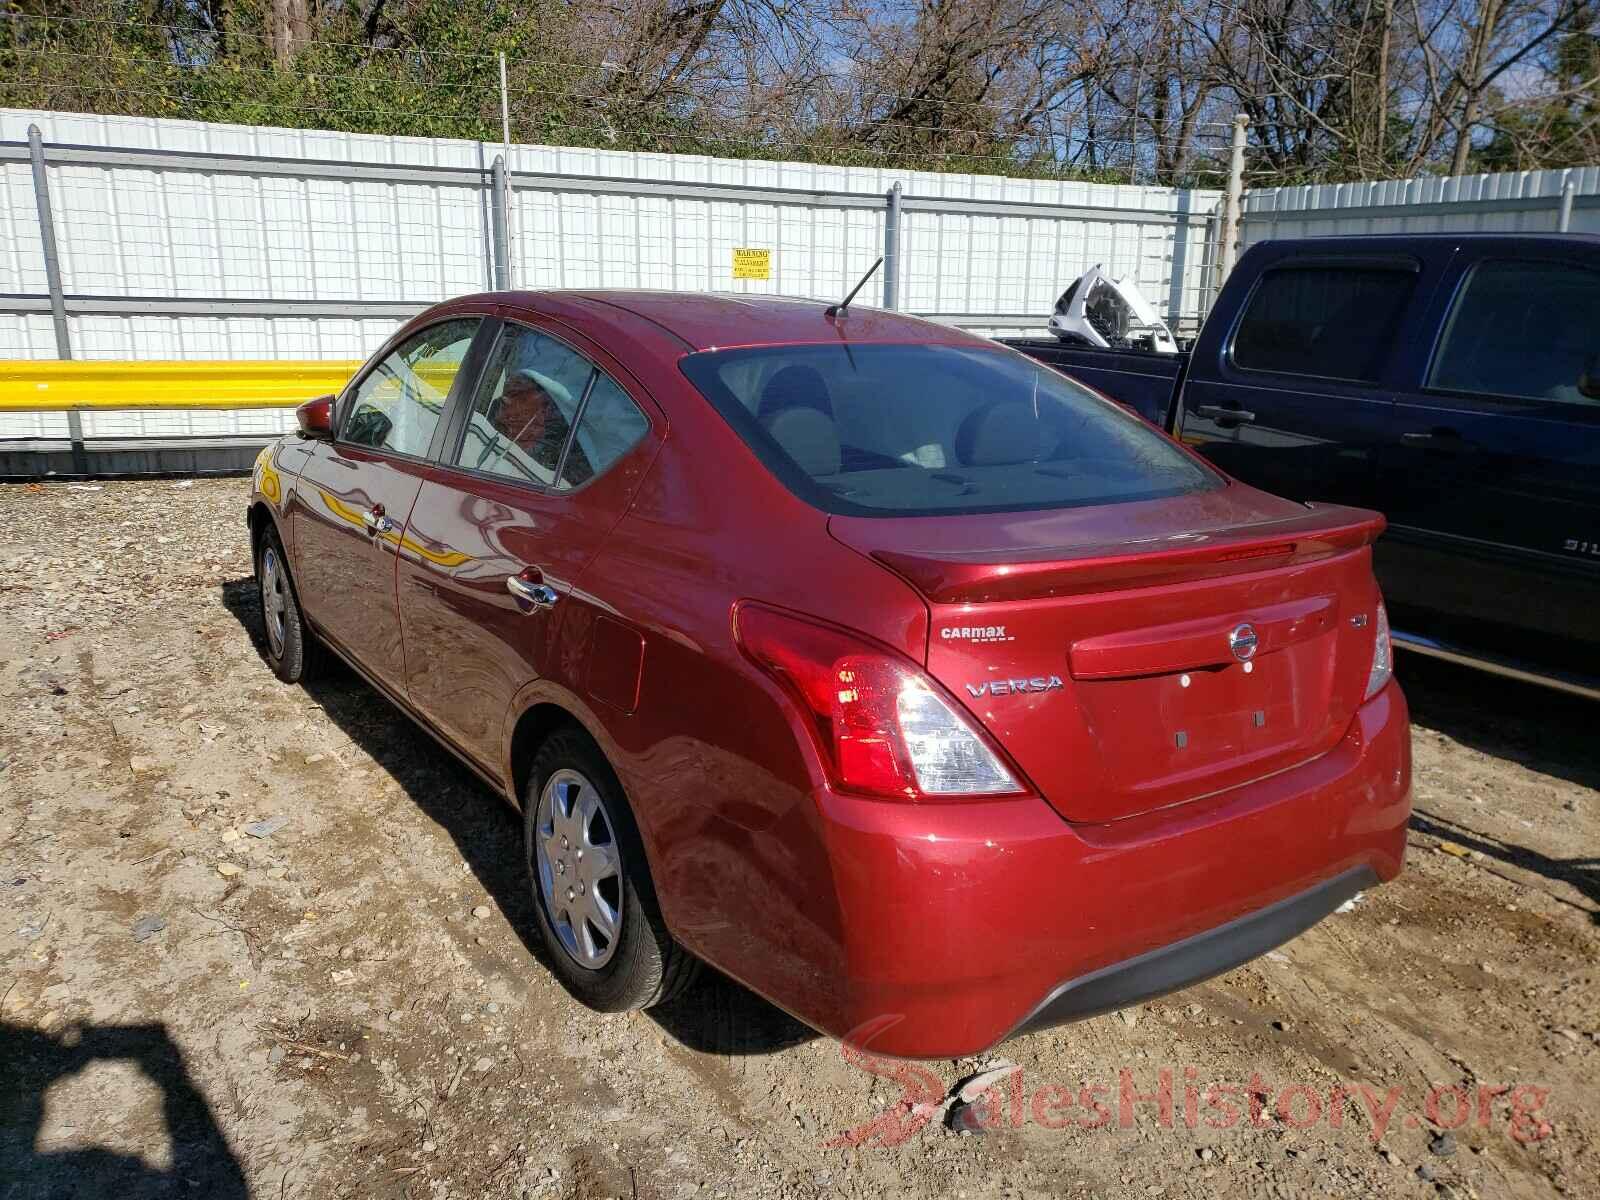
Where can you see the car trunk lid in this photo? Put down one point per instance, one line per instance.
(1134, 656)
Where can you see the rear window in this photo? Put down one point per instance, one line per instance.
(1524, 330)
(1330, 322)
(911, 430)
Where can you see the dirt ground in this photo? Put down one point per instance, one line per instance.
(351, 1005)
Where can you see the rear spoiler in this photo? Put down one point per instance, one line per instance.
(988, 576)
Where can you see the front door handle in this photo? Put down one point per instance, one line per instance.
(535, 591)
(375, 520)
(1218, 413)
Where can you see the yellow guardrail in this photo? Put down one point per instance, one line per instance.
(51, 386)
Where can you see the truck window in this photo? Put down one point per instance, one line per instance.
(1521, 329)
(1328, 321)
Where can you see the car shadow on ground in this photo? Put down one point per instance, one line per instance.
(1582, 873)
(717, 1016)
(32, 1061)
(1545, 730)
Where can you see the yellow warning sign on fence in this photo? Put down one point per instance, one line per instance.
(752, 264)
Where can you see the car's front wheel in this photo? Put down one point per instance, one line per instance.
(290, 651)
(592, 888)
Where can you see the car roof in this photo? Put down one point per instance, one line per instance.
(723, 320)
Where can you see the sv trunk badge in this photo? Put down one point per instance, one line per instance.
(1242, 641)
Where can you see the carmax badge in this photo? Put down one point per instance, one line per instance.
(1008, 687)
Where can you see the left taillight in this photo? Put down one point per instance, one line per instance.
(1382, 654)
(883, 727)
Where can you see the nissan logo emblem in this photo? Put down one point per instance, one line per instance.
(1242, 641)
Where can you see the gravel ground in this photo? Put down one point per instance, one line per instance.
(351, 1004)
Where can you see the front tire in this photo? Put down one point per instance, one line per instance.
(290, 651)
(597, 905)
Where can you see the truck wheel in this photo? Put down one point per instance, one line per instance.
(591, 885)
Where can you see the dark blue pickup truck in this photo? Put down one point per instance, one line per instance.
(1450, 381)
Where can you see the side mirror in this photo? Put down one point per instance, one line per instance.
(315, 418)
(1589, 381)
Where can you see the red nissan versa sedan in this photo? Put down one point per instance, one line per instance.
(917, 687)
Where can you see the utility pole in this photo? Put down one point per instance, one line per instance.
(1233, 209)
(1381, 143)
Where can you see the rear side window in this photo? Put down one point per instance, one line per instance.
(534, 392)
(1527, 330)
(1330, 322)
(398, 403)
(612, 425)
(881, 430)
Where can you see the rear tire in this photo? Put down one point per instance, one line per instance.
(291, 651)
(592, 889)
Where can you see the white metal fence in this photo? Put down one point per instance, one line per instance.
(182, 239)
(187, 240)
(1515, 202)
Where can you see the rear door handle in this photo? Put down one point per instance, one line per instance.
(1447, 440)
(1218, 413)
(530, 586)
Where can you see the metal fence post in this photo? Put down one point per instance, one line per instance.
(1234, 209)
(1569, 189)
(47, 235)
(52, 275)
(505, 150)
(891, 251)
(499, 211)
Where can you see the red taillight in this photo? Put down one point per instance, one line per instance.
(881, 724)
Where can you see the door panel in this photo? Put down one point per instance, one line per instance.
(346, 559)
(1299, 400)
(355, 494)
(1492, 469)
(521, 498)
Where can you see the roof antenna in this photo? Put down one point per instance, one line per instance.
(838, 310)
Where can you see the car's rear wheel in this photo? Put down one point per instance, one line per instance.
(290, 651)
(592, 888)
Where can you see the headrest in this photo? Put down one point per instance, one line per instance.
(527, 379)
(794, 386)
(998, 436)
(808, 437)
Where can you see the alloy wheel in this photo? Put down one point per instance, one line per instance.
(274, 603)
(580, 868)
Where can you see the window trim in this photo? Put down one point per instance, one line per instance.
(469, 368)
(1457, 295)
(456, 436)
(1399, 265)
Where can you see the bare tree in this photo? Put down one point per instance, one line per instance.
(1334, 89)
(290, 29)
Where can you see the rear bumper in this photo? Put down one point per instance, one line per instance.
(1197, 958)
(963, 924)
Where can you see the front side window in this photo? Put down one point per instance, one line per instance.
(1526, 330)
(1331, 322)
(535, 390)
(878, 430)
(398, 403)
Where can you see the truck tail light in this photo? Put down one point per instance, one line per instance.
(883, 728)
